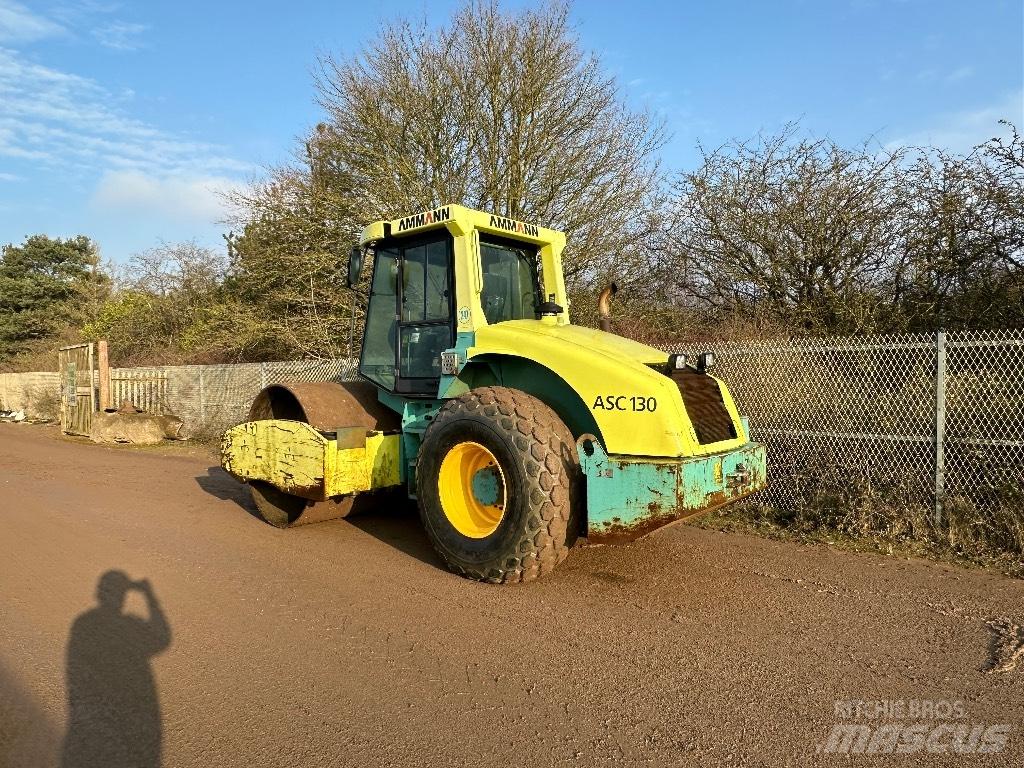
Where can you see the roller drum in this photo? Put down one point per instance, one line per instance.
(326, 406)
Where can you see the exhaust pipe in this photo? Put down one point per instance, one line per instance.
(604, 306)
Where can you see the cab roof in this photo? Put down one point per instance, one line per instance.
(460, 220)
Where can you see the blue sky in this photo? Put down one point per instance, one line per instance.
(122, 120)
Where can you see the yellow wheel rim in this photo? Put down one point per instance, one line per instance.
(471, 485)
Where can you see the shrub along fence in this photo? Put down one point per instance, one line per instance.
(909, 436)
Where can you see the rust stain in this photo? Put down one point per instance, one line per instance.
(325, 405)
(622, 534)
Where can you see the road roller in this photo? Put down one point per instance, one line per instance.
(517, 434)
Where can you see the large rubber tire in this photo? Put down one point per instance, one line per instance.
(537, 457)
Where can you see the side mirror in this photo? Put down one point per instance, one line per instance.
(355, 266)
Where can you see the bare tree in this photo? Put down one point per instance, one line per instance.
(173, 304)
(803, 231)
(289, 259)
(497, 110)
(963, 245)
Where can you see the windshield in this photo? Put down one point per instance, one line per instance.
(511, 290)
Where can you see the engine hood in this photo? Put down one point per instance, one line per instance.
(638, 410)
(596, 342)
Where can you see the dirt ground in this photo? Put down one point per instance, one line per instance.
(346, 643)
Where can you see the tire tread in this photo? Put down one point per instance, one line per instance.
(547, 448)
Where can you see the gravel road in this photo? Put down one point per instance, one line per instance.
(346, 643)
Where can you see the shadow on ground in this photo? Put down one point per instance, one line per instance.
(221, 485)
(113, 707)
(394, 520)
(398, 525)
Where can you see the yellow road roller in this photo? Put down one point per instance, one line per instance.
(516, 432)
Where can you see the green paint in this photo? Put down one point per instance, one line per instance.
(417, 415)
(487, 486)
(533, 378)
(517, 373)
(626, 496)
(454, 386)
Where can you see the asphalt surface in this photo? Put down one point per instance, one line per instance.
(346, 643)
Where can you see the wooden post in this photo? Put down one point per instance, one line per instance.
(104, 370)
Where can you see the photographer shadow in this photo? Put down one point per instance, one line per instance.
(113, 710)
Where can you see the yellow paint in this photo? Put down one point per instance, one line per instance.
(298, 459)
(593, 363)
(598, 364)
(465, 224)
(362, 469)
(455, 486)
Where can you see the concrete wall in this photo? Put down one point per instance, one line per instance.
(36, 393)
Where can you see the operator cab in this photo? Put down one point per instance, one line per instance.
(417, 308)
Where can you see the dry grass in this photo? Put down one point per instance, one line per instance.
(43, 403)
(840, 505)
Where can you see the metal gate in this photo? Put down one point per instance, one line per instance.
(77, 388)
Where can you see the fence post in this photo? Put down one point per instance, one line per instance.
(940, 426)
(92, 380)
(202, 397)
(103, 364)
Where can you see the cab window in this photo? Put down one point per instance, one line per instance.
(511, 290)
(377, 360)
(426, 310)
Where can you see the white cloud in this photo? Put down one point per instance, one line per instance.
(964, 130)
(185, 198)
(120, 35)
(69, 121)
(66, 125)
(127, 174)
(19, 24)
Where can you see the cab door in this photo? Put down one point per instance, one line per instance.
(409, 316)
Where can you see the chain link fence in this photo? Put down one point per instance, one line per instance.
(860, 406)
(211, 398)
(927, 421)
(928, 424)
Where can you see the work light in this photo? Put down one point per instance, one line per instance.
(676, 361)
